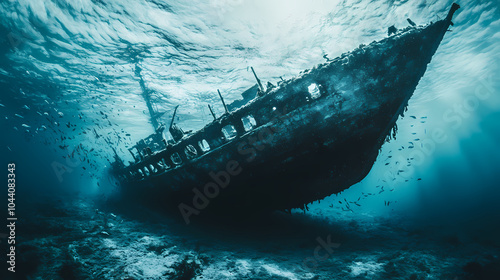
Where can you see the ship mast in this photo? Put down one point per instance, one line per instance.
(146, 94)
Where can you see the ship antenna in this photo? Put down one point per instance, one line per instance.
(146, 94)
(173, 117)
(258, 80)
(223, 103)
(211, 111)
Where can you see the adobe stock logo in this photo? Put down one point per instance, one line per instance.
(250, 147)
(322, 252)
(68, 166)
(453, 119)
(211, 190)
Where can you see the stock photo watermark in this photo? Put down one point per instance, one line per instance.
(222, 178)
(322, 252)
(453, 118)
(11, 218)
(72, 162)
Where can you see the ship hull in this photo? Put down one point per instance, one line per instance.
(300, 155)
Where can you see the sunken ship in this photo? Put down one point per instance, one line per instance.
(288, 145)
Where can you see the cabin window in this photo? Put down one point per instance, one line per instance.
(176, 159)
(165, 164)
(190, 151)
(204, 145)
(229, 132)
(152, 168)
(159, 166)
(314, 91)
(248, 122)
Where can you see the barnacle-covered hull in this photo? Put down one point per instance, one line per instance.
(314, 135)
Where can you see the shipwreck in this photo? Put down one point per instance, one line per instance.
(285, 146)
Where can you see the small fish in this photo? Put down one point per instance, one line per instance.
(26, 107)
(25, 125)
(1, 105)
(413, 117)
(19, 116)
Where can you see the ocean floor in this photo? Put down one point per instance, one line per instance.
(77, 239)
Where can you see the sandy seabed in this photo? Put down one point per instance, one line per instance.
(77, 239)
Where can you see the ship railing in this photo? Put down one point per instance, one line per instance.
(226, 128)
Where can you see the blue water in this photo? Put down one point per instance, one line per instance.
(68, 83)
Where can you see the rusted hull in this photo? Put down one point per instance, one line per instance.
(299, 155)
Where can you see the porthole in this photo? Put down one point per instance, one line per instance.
(204, 146)
(176, 159)
(248, 122)
(229, 132)
(190, 151)
(314, 91)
